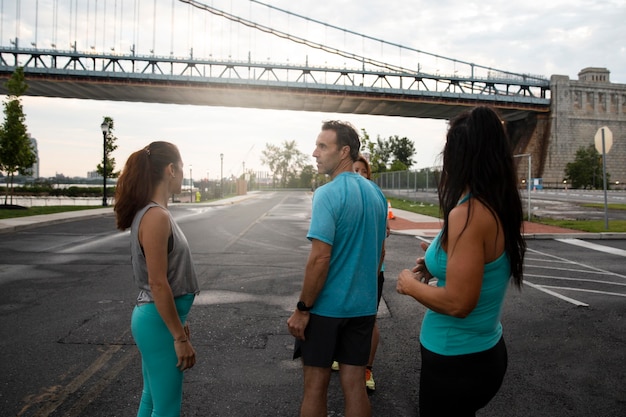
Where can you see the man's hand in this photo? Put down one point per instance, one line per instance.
(297, 323)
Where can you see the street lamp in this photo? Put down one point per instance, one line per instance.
(529, 178)
(105, 131)
(221, 175)
(190, 185)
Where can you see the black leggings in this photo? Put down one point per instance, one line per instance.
(458, 386)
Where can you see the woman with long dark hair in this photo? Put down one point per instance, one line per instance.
(478, 252)
(163, 271)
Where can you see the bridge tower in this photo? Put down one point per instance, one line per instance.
(578, 109)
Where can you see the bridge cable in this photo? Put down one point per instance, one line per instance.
(293, 38)
(332, 50)
(36, 22)
(18, 23)
(172, 31)
(154, 26)
(391, 43)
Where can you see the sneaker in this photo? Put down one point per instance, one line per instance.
(369, 380)
(335, 366)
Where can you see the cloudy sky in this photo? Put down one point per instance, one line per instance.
(529, 37)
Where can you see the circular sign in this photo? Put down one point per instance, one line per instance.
(608, 140)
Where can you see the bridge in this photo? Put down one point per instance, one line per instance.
(259, 56)
(363, 84)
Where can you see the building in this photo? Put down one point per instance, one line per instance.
(34, 170)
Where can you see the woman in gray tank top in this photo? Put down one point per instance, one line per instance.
(163, 271)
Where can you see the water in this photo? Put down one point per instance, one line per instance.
(31, 201)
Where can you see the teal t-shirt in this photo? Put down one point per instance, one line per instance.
(481, 329)
(350, 214)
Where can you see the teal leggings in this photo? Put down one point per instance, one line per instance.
(162, 381)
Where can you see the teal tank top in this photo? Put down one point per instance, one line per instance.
(481, 329)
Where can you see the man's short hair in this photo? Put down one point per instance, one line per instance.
(346, 136)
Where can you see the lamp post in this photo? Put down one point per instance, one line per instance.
(105, 131)
(529, 179)
(221, 175)
(190, 185)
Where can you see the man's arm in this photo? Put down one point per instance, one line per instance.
(314, 279)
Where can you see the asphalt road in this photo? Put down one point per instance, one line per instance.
(66, 295)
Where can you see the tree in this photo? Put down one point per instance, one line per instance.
(379, 152)
(398, 150)
(16, 152)
(586, 170)
(307, 175)
(402, 150)
(110, 146)
(398, 165)
(285, 162)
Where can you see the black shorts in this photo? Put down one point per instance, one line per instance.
(328, 339)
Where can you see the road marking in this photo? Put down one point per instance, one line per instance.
(594, 246)
(594, 281)
(585, 290)
(106, 380)
(234, 239)
(555, 294)
(53, 399)
(591, 269)
(588, 267)
(58, 398)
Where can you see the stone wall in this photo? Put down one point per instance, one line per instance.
(578, 109)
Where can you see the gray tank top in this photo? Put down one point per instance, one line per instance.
(181, 273)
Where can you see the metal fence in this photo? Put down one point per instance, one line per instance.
(423, 180)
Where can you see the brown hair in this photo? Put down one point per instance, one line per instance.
(346, 136)
(143, 171)
(368, 169)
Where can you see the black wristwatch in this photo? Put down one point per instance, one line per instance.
(302, 307)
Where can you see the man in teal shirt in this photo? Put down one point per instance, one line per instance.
(335, 315)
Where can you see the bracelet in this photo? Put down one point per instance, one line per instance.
(181, 340)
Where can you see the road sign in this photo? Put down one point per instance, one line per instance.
(604, 141)
(608, 140)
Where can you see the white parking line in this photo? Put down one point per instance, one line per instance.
(555, 294)
(587, 267)
(594, 246)
(585, 290)
(548, 289)
(594, 281)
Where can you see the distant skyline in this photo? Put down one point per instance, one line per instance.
(532, 37)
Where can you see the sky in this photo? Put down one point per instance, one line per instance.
(530, 37)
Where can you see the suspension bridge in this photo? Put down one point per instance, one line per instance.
(254, 55)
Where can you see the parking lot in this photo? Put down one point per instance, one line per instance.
(66, 294)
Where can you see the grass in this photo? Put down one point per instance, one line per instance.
(591, 226)
(6, 213)
(426, 209)
(610, 206)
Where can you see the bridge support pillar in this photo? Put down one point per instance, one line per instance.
(530, 135)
